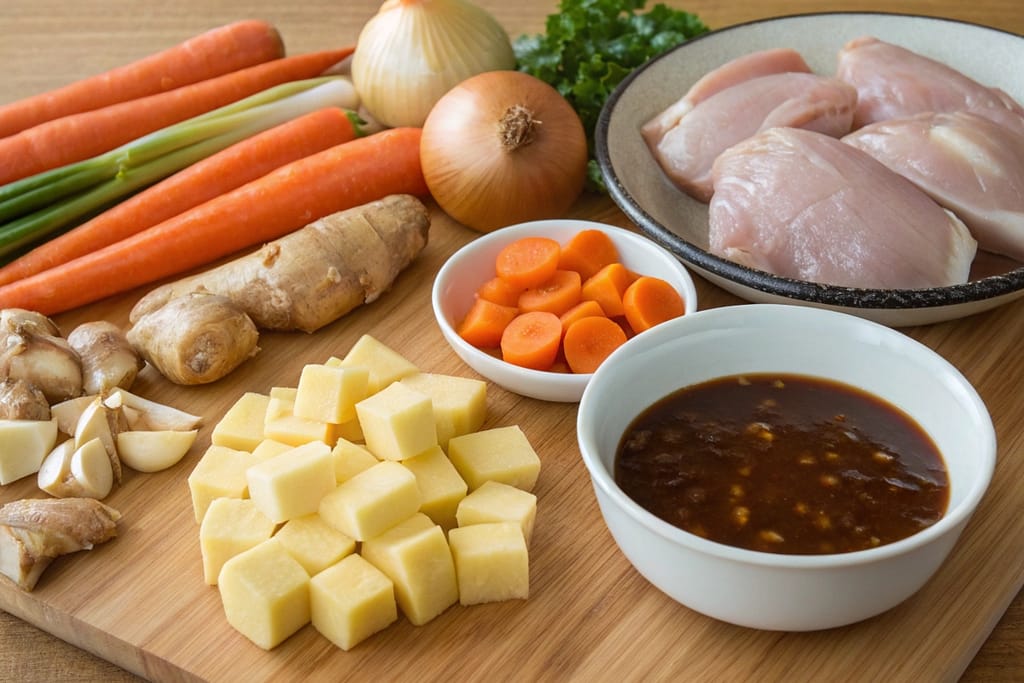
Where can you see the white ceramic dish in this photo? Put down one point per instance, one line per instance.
(459, 278)
(679, 223)
(774, 591)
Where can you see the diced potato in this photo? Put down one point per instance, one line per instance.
(25, 443)
(460, 403)
(350, 459)
(265, 593)
(497, 502)
(220, 473)
(441, 487)
(397, 422)
(350, 601)
(384, 363)
(491, 562)
(314, 543)
(372, 501)
(241, 427)
(268, 448)
(415, 556)
(329, 394)
(280, 404)
(230, 526)
(153, 451)
(291, 484)
(501, 454)
(281, 423)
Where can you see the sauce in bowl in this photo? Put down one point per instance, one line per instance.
(783, 463)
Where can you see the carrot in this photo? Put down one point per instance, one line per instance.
(557, 295)
(528, 261)
(231, 168)
(532, 340)
(273, 205)
(590, 340)
(607, 286)
(485, 322)
(216, 52)
(80, 136)
(500, 291)
(588, 252)
(649, 301)
(583, 309)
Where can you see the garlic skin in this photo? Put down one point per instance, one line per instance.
(414, 51)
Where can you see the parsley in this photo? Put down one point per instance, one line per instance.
(589, 46)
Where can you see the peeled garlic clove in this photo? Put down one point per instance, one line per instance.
(153, 451)
(91, 470)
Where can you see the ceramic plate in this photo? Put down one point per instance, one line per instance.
(672, 218)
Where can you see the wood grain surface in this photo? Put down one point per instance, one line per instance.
(138, 607)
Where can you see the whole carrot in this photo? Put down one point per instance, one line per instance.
(275, 204)
(80, 136)
(216, 52)
(220, 173)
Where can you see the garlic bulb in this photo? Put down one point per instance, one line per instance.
(414, 51)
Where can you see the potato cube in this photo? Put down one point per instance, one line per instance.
(268, 448)
(282, 424)
(460, 403)
(25, 443)
(230, 526)
(265, 593)
(415, 556)
(220, 473)
(497, 502)
(501, 454)
(350, 601)
(397, 422)
(314, 543)
(372, 501)
(241, 428)
(384, 363)
(350, 459)
(441, 487)
(491, 562)
(329, 394)
(291, 484)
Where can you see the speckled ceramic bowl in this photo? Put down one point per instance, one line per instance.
(679, 223)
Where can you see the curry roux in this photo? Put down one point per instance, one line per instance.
(785, 464)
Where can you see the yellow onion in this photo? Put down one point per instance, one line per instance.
(413, 51)
(503, 147)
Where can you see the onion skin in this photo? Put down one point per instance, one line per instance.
(473, 173)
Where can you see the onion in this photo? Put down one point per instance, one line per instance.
(503, 147)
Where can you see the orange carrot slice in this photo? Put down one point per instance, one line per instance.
(532, 340)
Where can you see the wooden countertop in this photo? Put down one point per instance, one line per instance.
(49, 42)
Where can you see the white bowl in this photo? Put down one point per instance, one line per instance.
(461, 276)
(766, 590)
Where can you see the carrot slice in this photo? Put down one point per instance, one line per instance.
(532, 340)
(649, 301)
(557, 295)
(485, 322)
(583, 309)
(607, 287)
(590, 340)
(500, 291)
(528, 262)
(588, 252)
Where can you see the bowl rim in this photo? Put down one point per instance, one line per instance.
(982, 289)
(603, 479)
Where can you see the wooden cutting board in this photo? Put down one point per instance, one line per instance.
(140, 600)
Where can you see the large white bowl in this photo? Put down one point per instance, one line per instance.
(461, 276)
(775, 591)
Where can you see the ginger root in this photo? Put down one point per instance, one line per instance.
(34, 532)
(32, 350)
(108, 358)
(317, 274)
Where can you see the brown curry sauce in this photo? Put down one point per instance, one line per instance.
(783, 463)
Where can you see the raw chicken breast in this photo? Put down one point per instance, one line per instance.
(761, 63)
(893, 82)
(687, 151)
(803, 205)
(968, 164)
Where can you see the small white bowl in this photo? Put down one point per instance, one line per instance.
(461, 276)
(776, 591)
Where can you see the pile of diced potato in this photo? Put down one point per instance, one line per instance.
(368, 490)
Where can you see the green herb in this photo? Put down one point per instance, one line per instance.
(589, 46)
